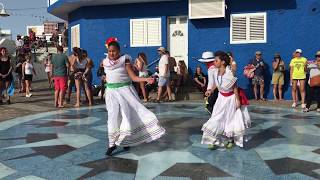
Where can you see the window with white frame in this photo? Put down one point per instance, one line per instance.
(145, 32)
(75, 36)
(200, 9)
(248, 28)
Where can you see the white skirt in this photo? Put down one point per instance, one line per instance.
(226, 121)
(129, 122)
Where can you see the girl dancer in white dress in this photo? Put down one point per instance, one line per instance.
(130, 123)
(229, 117)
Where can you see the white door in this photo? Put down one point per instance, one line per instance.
(178, 38)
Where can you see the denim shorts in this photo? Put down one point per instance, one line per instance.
(163, 81)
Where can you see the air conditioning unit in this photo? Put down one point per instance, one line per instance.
(201, 9)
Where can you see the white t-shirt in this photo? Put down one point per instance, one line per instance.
(19, 43)
(164, 60)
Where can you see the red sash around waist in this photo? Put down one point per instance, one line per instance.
(227, 94)
(243, 98)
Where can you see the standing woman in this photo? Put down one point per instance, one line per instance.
(298, 75)
(27, 73)
(87, 77)
(47, 68)
(81, 69)
(130, 123)
(230, 115)
(5, 73)
(141, 65)
(278, 76)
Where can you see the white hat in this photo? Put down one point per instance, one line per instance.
(207, 56)
(298, 51)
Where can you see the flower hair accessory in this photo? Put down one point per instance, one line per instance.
(110, 40)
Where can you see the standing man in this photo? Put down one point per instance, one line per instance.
(19, 45)
(212, 92)
(60, 67)
(258, 78)
(164, 73)
(71, 81)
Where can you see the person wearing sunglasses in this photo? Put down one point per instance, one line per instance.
(298, 72)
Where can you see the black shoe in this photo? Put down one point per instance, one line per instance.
(127, 148)
(110, 150)
(67, 100)
(1, 102)
(8, 101)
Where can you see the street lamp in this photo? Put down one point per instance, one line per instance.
(3, 12)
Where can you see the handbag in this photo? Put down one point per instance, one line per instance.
(315, 81)
(248, 71)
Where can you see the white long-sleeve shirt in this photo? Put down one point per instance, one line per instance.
(211, 81)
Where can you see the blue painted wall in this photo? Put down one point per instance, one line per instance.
(291, 24)
(100, 22)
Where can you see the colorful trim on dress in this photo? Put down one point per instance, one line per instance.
(144, 133)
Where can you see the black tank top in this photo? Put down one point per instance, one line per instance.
(4, 66)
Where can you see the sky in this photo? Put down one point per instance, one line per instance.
(23, 13)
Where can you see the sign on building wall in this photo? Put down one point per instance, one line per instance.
(37, 29)
(75, 36)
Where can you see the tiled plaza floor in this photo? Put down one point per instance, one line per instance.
(70, 144)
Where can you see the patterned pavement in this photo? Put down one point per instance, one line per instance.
(70, 144)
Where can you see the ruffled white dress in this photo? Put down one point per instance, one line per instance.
(226, 120)
(129, 122)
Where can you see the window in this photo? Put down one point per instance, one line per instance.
(248, 28)
(75, 36)
(200, 9)
(145, 32)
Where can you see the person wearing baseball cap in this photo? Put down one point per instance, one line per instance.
(278, 66)
(212, 92)
(314, 83)
(164, 74)
(258, 78)
(298, 74)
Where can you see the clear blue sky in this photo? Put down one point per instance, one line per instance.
(23, 13)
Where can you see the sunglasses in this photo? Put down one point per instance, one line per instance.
(317, 56)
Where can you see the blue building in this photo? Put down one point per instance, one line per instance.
(189, 27)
